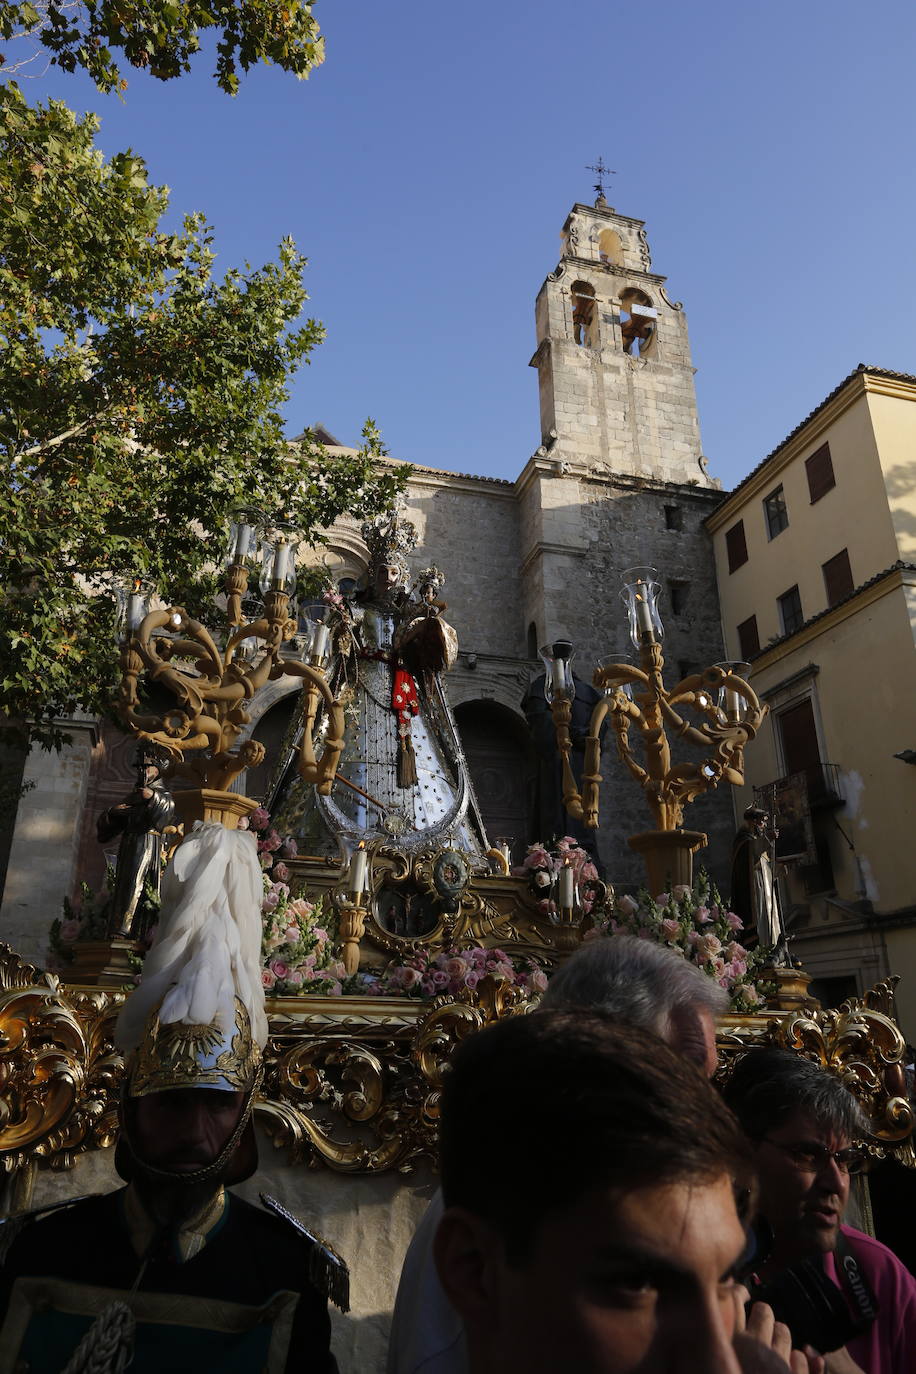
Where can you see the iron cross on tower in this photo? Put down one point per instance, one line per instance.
(600, 172)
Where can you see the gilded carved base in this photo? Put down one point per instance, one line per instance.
(353, 1083)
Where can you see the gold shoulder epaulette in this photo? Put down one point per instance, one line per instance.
(326, 1270)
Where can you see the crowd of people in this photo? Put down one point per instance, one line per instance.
(604, 1208)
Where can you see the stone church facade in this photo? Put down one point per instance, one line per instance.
(618, 480)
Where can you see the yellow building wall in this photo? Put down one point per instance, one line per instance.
(865, 700)
(894, 424)
(854, 515)
(901, 956)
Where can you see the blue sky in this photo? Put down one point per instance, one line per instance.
(427, 168)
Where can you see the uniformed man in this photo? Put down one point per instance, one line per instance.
(173, 1272)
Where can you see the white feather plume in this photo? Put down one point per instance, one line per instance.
(207, 950)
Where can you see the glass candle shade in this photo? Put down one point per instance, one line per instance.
(626, 659)
(640, 596)
(278, 560)
(730, 701)
(244, 537)
(559, 683)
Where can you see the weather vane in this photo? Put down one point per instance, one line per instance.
(600, 172)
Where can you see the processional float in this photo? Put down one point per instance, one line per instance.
(373, 782)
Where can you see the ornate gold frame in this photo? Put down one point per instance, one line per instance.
(353, 1083)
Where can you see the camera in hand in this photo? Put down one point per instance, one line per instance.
(816, 1311)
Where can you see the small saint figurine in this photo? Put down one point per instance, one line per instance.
(754, 896)
(141, 820)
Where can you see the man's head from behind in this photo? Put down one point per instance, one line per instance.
(588, 1177)
(644, 984)
(802, 1123)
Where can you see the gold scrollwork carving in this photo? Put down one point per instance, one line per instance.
(353, 1083)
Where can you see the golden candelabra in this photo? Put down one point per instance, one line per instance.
(727, 712)
(212, 687)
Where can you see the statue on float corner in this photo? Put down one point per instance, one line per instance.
(141, 820)
(754, 894)
(402, 773)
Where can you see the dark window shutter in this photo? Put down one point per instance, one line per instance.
(838, 577)
(819, 468)
(749, 638)
(736, 546)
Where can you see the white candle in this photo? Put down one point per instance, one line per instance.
(643, 612)
(732, 702)
(319, 645)
(242, 542)
(281, 563)
(558, 673)
(136, 610)
(566, 886)
(359, 864)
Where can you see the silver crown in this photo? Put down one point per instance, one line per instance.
(389, 539)
(430, 577)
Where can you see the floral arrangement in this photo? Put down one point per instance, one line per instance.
(87, 919)
(427, 974)
(298, 936)
(542, 868)
(696, 922)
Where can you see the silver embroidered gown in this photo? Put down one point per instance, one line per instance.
(441, 805)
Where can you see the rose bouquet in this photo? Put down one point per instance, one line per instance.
(427, 974)
(541, 866)
(297, 945)
(695, 922)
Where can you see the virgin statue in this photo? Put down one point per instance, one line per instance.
(402, 773)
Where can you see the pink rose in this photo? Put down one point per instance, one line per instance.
(270, 900)
(627, 905)
(338, 969)
(299, 907)
(279, 968)
(680, 891)
(734, 951)
(70, 930)
(320, 934)
(738, 968)
(457, 967)
(295, 977)
(409, 977)
(734, 922)
(671, 928)
(472, 980)
(310, 960)
(440, 979)
(537, 858)
(750, 994)
(702, 916)
(268, 977)
(427, 987)
(242, 823)
(663, 898)
(588, 873)
(280, 873)
(259, 818)
(537, 980)
(291, 937)
(708, 945)
(335, 990)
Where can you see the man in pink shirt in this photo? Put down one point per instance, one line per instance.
(803, 1123)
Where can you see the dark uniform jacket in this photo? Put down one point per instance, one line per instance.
(243, 1303)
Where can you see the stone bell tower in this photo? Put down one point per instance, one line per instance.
(613, 357)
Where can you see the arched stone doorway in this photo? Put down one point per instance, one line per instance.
(495, 741)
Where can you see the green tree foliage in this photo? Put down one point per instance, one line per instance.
(162, 36)
(139, 404)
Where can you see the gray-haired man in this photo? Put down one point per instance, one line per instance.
(803, 1124)
(643, 984)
